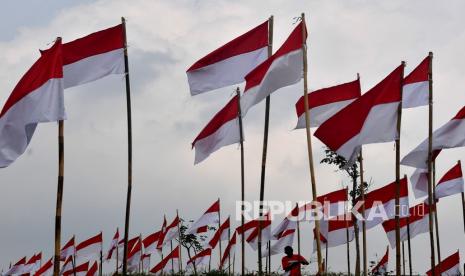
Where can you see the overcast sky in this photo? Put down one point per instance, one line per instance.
(165, 38)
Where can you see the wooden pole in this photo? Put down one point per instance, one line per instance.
(403, 258)
(101, 259)
(219, 226)
(61, 167)
(347, 237)
(180, 243)
(128, 109)
(117, 255)
(172, 261)
(264, 153)
(364, 228)
(269, 257)
(309, 141)
(463, 210)
(430, 161)
(409, 246)
(298, 232)
(326, 259)
(436, 221)
(241, 135)
(229, 255)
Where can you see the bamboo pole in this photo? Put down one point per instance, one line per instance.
(364, 228)
(219, 226)
(61, 167)
(409, 247)
(180, 243)
(436, 221)
(403, 258)
(326, 258)
(269, 257)
(264, 153)
(309, 141)
(241, 135)
(129, 121)
(117, 253)
(172, 261)
(463, 210)
(347, 236)
(298, 231)
(229, 255)
(101, 258)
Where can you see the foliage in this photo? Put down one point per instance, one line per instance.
(191, 241)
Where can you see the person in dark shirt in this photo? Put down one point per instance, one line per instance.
(292, 262)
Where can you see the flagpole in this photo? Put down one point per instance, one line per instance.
(403, 258)
(219, 227)
(326, 258)
(101, 257)
(347, 237)
(172, 261)
(269, 257)
(241, 135)
(409, 246)
(298, 230)
(264, 153)
(229, 255)
(463, 209)
(309, 140)
(430, 160)
(180, 246)
(128, 110)
(61, 167)
(436, 221)
(117, 243)
(364, 228)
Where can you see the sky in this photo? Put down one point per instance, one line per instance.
(165, 38)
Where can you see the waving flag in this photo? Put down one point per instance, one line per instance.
(221, 234)
(145, 262)
(200, 260)
(285, 239)
(90, 248)
(150, 242)
(335, 230)
(382, 267)
(450, 266)
(131, 244)
(451, 183)
(283, 68)
(416, 86)
(68, 267)
(211, 216)
(229, 251)
(161, 267)
(45, 269)
(250, 230)
(170, 233)
(93, 270)
(94, 56)
(332, 204)
(113, 245)
(229, 64)
(32, 264)
(326, 102)
(288, 223)
(67, 250)
(372, 118)
(17, 268)
(78, 270)
(37, 98)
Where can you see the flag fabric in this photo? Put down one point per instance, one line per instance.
(451, 183)
(450, 266)
(94, 56)
(229, 251)
(450, 135)
(79, 270)
(135, 255)
(67, 250)
(221, 234)
(93, 270)
(210, 216)
(89, 249)
(230, 63)
(382, 267)
(131, 244)
(201, 260)
(415, 91)
(145, 262)
(150, 242)
(285, 239)
(418, 222)
(170, 233)
(17, 268)
(372, 118)
(324, 103)
(221, 131)
(335, 230)
(67, 267)
(332, 204)
(288, 223)
(380, 203)
(250, 230)
(419, 180)
(113, 246)
(161, 267)
(46, 269)
(323, 240)
(283, 68)
(32, 264)
(37, 98)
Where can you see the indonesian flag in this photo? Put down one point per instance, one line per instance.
(323, 240)
(94, 56)
(113, 245)
(380, 203)
(230, 63)
(372, 118)
(150, 242)
(450, 266)
(68, 266)
(45, 269)
(419, 180)
(67, 250)
(200, 260)
(418, 222)
(285, 239)
(451, 183)
(161, 267)
(90, 248)
(283, 68)
(416, 86)
(221, 131)
(37, 98)
(145, 262)
(135, 255)
(32, 264)
(170, 233)
(382, 267)
(324, 103)
(221, 234)
(80, 270)
(448, 136)
(335, 230)
(92, 270)
(211, 216)
(230, 249)
(17, 268)
(131, 243)
(250, 230)
(332, 204)
(289, 222)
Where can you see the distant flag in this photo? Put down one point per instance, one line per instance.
(161, 267)
(94, 56)
(45, 269)
(282, 69)
(17, 268)
(131, 244)
(372, 118)
(229, 64)
(67, 250)
(211, 216)
(201, 260)
(382, 267)
(332, 204)
(419, 180)
(135, 255)
(37, 98)
(326, 102)
(250, 230)
(416, 86)
(113, 245)
(32, 264)
(451, 183)
(288, 223)
(150, 242)
(145, 262)
(78, 270)
(170, 233)
(67, 267)
(323, 240)
(229, 251)
(93, 270)
(450, 135)
(222, 130)
(335, 229)
(89, 249)
(221, 234)
(450, 266)
(285, 239)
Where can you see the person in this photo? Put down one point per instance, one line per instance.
(292, 262)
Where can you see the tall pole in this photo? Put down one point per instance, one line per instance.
(241, 135)
(101, 259)
(403, 258)
(347, 237)
(409, 247)
(326, 258)
(128, 109)
(436, 221)
(298, 231)
(430, 161)
(265, 149)
(463, 210)
(179, 244)
(117, 252)
(397, 195)
(309, 141)
(229, 255)
(364, 228)
(219, 226)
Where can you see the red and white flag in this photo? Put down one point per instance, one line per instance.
(93, 270)
(450, 266)
(221, 131)
(135, 255)
(78, 270)
(451, 183)
(324, 103)
(283, 68)
(94, 56)
(221, 234)
(170, 233)
(113, 246)
(380, 204)
(323, 240)
(201, 260)
(67, 250)
(288, 223)
(372, 118)
(68, 266)
(419, 179)
(382, 267)
(285, 239)
(332, 204)
(46, 269)
(145, 262)
(229, 251)
(37, 98)
(335, 230)
(450, 135)
(418, 222)
(163, 267)
(230, 63)
(150, 242)
(211, 216)
(131, 243)
(250, 230)
(416, 86)
(32, 264)
(89, 249)
(17, 268)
